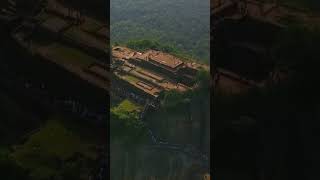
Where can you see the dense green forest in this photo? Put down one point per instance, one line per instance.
(183, 24)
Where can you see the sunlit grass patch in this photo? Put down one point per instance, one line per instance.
(131, 78)
(45, 152)
(70, 55)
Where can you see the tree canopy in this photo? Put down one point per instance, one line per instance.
(125, 122)
(184, 24)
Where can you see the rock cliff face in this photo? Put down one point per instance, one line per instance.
(149, 163)
(190, 125)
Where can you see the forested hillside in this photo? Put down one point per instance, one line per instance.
(183, 24)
